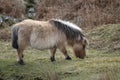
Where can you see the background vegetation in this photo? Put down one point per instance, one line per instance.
(88, 13)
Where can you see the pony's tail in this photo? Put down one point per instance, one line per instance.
(15, 37)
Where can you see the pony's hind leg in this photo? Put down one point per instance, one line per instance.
(64, 51)
(20, 56)
(22, 45)
(53, 51)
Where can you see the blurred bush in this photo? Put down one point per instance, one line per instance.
(88, 12)
(13, 8)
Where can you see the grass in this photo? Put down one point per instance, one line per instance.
(105, 37)
(97, 66)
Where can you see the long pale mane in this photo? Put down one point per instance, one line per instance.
(71, 30)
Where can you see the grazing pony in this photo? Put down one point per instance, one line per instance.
(51, 34)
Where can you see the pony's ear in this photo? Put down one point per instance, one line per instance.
(85, 41)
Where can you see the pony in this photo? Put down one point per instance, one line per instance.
(51, 34)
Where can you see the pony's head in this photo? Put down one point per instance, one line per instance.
(79, 48)
(74, 36)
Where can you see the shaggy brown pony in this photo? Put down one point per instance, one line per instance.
(51, 34)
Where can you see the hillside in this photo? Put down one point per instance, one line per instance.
(106, 38)
(96, 66)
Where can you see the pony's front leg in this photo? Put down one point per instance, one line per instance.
(20, 56)
(53, 51)
(64, 51)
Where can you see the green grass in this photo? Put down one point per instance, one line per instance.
(97, 66)
(102, 61)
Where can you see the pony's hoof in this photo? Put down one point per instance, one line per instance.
(21, 62)
(52, 59)
(68, 58)
(22, 56)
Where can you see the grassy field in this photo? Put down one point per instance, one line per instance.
(98, 65)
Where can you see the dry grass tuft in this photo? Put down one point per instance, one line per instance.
(52, 76)
(107, 76)
(5, 34)
(14, 8)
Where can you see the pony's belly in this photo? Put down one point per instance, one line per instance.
(43, 43)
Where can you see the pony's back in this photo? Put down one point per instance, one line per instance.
(39, 34)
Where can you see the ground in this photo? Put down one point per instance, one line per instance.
(100, 64)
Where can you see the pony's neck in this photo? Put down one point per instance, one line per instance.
(70, 30)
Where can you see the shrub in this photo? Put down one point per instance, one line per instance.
(90, 12)
(14, 8)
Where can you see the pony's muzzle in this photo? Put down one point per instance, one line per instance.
(80, 54)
